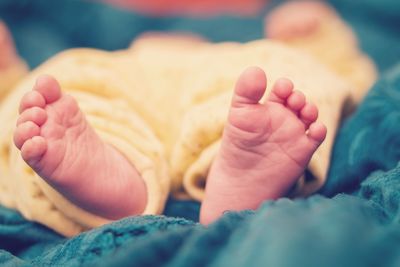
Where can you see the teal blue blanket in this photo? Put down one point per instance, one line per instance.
(353, 221)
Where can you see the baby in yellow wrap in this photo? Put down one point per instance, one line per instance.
(112, 132)
(264, 150)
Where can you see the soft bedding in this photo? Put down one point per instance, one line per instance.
(353, 221)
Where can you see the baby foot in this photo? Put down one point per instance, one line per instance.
(295, 19)
(8, 54)
(61, 147)
(265, 146)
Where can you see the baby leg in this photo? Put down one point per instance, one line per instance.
(8, 54)
(12, 67)
(265, 147)
(315, 28)
(296, 19)
(60, 146)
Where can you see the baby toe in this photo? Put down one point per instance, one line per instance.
(33, 149)
(35, 114)
(309, 113)
(25, 131)
(317, 133)
(296, 101)
(282, 89)
(31, 99)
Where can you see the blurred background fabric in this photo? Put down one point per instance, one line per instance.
(355, 221)
(44, 27)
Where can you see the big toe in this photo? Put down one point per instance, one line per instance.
(250, 87)
(48, 87)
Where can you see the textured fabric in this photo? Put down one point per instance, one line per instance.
(376, 24)
(127, 96)
(358, 228)
(198, 77)
(361, 229)
(370, 142)
(10, 76)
